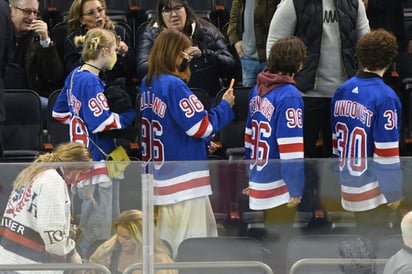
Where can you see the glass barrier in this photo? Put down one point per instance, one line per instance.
(205, 217)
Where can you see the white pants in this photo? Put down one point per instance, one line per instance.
(188, 219)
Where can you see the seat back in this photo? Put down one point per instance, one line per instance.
(58, 35)
(321, 246)
(203, 96)
(202, 8)
(220, 249)
(387, 247)
(55, 11)
(148, 6)
(23, 127)
(233, 135)
(58, 132)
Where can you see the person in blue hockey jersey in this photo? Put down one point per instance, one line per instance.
(82, 105)
(274, 130)
(365, 119)
(176, 130)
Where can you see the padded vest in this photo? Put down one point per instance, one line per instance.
(309, 15)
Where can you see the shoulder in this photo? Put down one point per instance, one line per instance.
(163, 257)
(102, 255)
(47, 176)
(171, 81)
(87, 79)
(290, 90)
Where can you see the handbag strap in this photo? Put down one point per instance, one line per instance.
(75, 114)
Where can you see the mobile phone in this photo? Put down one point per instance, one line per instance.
(232, 83)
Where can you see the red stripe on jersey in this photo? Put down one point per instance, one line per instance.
(62, 119)
(203, 127)
(113, 125)
(294, 147)
(21, 240)
(248, 138)
(358, 197)
(262, 194)
(95, 172)
(197, 182)
(387, 152)
(334, 143)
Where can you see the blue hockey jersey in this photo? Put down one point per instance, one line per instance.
(365, 117)
(85, 109)
(175, 131)
(274, 145)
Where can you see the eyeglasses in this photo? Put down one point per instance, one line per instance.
(94, 12)
(169, 11)
(28, 12)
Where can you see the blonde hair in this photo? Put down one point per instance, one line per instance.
(76, 12)
(132, 221)
(66, 152)
(94, 40)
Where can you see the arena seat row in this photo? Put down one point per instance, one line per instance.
(137, 11)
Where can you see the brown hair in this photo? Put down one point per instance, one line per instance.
(94, 40)
(165, 53)
(65, 152)
(287, 56)
(76, 12)
(377, 49)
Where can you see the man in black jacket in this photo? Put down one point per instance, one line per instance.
(35, 63)
(5, 36)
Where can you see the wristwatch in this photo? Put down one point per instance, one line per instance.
(45, 43)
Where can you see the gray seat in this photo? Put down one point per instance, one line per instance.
(57, 132)
(23, 127)
(318, 246)
(220, 249)
(387, 247)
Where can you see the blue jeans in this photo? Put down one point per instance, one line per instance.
(250, 70)
(99, 209)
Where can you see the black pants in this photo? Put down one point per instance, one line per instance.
(316, 125)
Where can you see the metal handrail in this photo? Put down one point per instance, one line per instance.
(333, 261)
(55, 266)
(203, 265)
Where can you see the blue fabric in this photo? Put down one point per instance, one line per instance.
(250, 70)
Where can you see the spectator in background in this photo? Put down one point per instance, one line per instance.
(330, 30)
(276, 120)
(6, 32)
(248, 30)
(401, 262)
(365, 118)
(389, 16)
(176, 130)
(83, 105)
(36, 222)
(35, 63)
(125, 247)
(212, 63)
(88, 14)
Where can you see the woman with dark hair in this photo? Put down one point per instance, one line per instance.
(212, 62)
(175, 131)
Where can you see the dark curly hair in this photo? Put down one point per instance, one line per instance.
(287, 56)
(376, 49)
